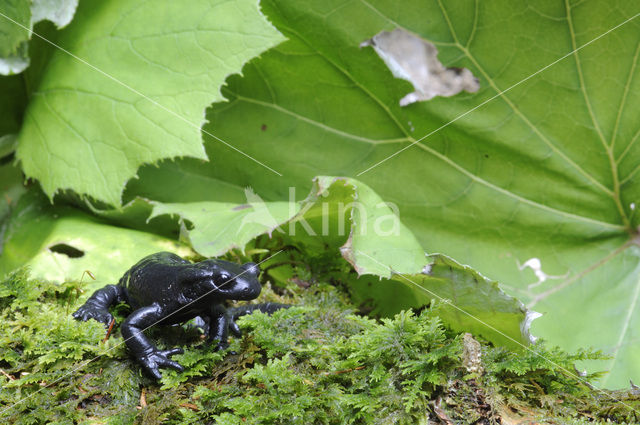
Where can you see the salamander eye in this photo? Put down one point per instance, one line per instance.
(225, 276)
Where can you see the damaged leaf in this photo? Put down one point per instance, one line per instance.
(416, 60)
(15, 28)
(60, 12)
(61, 243)
(221, 226)
(15, 21)
(90, 130)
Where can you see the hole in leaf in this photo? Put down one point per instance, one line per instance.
(68, 250)
(416, 60)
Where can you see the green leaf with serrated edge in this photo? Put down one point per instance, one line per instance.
(19, 17)
(60, 12)
(546, 170)
(86, 132)
(61, 243)
(12, 34)
(346, 215)
(223, 226)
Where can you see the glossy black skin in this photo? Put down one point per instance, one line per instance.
(166, 289)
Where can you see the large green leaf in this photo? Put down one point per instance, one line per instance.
(545, 170)
(132, 87)
(61, 243)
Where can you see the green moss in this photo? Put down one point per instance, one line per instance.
(318, 362)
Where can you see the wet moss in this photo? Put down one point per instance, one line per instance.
(318, 362)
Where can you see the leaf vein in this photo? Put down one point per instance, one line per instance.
(624, 97)
(319, 124)
(519, 113)
(81, 137)
(519, 197)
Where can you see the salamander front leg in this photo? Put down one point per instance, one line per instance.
(97, 306)
(141, 348)
(219, 319)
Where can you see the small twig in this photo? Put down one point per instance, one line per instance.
(143, 398)
(440, 413)
(338, 372)
(190, 406)
(535, 384)
(79, 290)
(88, 272)
(11, 378)
(106, 337)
